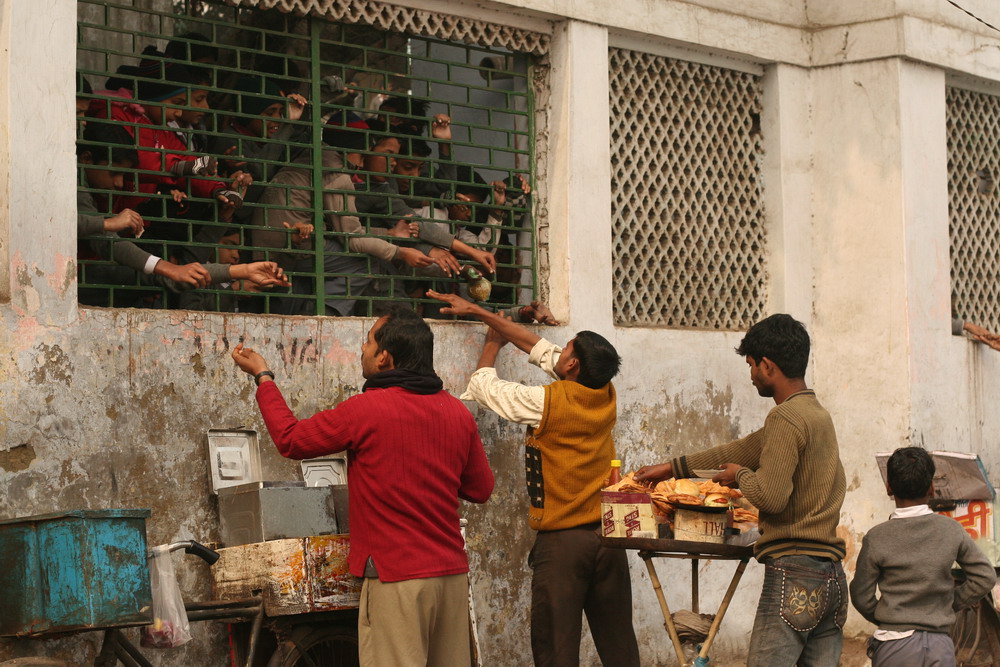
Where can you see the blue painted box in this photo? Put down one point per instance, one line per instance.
(73, 570)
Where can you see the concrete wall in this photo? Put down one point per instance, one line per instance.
(110, 408)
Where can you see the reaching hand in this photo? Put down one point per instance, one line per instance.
(525, 185)
(249, 361)
(266, 275)
(654, 474)
(441, 127)
(445, 260)
(487, 260)
(499, 193)
(127, 219)
(405, 229)
(456, 304)
(178, 196)
(541, 314)
(727, 475)
(296, 106)
(413, 258)
(234, 164)
(193, 274)
(241, 182)
(302, 231)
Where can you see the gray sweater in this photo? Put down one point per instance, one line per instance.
(910, 561)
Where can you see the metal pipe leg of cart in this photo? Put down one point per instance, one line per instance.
(668, 620)
(714, 629)
(258, 620)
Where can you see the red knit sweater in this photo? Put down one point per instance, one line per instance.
(410, 458)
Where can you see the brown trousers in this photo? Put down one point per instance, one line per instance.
(415, 623)
(574, 575)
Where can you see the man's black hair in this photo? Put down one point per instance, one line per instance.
(413, 147)
(599, 360)
(83, 86)
(408, 339)
(470, 183)
(780, 338)
(910, 472)
(200, 47)
(122, 148)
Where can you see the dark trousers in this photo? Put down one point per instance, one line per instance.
(574, 575)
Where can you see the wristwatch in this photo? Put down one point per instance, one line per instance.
(256, 378)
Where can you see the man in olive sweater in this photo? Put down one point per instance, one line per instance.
(568, 452)
(791, 471)
(909, 558)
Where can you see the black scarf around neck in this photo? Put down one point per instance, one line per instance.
(418, 383)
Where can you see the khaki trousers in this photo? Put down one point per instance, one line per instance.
(415, 623)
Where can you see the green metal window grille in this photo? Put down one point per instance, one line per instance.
(371, 94)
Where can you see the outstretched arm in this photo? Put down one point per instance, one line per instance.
(520, 336)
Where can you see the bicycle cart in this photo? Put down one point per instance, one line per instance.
(650, 549)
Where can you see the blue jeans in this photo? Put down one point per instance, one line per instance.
(801, 613)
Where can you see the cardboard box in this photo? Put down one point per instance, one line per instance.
(701, 525)
(627, 515)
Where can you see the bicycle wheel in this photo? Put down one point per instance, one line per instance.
(318, 646)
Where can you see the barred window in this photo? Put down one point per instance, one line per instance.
(369, 164)
(973, 130)
(688, 221)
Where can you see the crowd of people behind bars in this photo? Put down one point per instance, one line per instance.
(180, 195)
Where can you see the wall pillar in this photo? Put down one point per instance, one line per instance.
(580, 250)
(37, 159)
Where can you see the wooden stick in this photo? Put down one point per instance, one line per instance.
(714, 630)
(668, 620)
(694, 585)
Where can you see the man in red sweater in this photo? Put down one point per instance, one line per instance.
(413, 450)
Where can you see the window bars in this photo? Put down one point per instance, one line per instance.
(182, 98)
(688, 220)
(973, 126)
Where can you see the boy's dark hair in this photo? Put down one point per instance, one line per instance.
(780, 338)
(200, 46)
(408, 339)
(910, 472)
(122, 148)
(599, 360)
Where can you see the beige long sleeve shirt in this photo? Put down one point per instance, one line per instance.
(516, 402)
(291, 193)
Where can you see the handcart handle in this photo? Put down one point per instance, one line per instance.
(196, 548)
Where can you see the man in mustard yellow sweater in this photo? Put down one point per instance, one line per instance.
(791, 471)
(568, 452)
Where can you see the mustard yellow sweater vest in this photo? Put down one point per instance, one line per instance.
(568, 455)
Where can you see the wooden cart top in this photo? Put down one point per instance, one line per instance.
(681, 548)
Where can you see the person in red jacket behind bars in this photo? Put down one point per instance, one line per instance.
(161, 89)
(412, 450)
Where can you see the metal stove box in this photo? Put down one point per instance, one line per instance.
(262, 511)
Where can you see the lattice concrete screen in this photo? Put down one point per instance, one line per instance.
(688, 220)
(973, 121)
(413, 21)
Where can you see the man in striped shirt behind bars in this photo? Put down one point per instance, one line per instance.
(791, 471)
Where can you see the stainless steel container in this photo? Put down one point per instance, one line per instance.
(262, 511)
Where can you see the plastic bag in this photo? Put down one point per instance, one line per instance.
(170, 627)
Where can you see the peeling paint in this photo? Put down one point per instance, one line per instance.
(17, 458)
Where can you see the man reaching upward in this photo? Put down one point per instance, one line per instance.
(568, 452)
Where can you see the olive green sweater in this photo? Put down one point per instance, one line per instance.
(792, 473)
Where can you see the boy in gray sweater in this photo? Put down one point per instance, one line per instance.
(909, 559)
